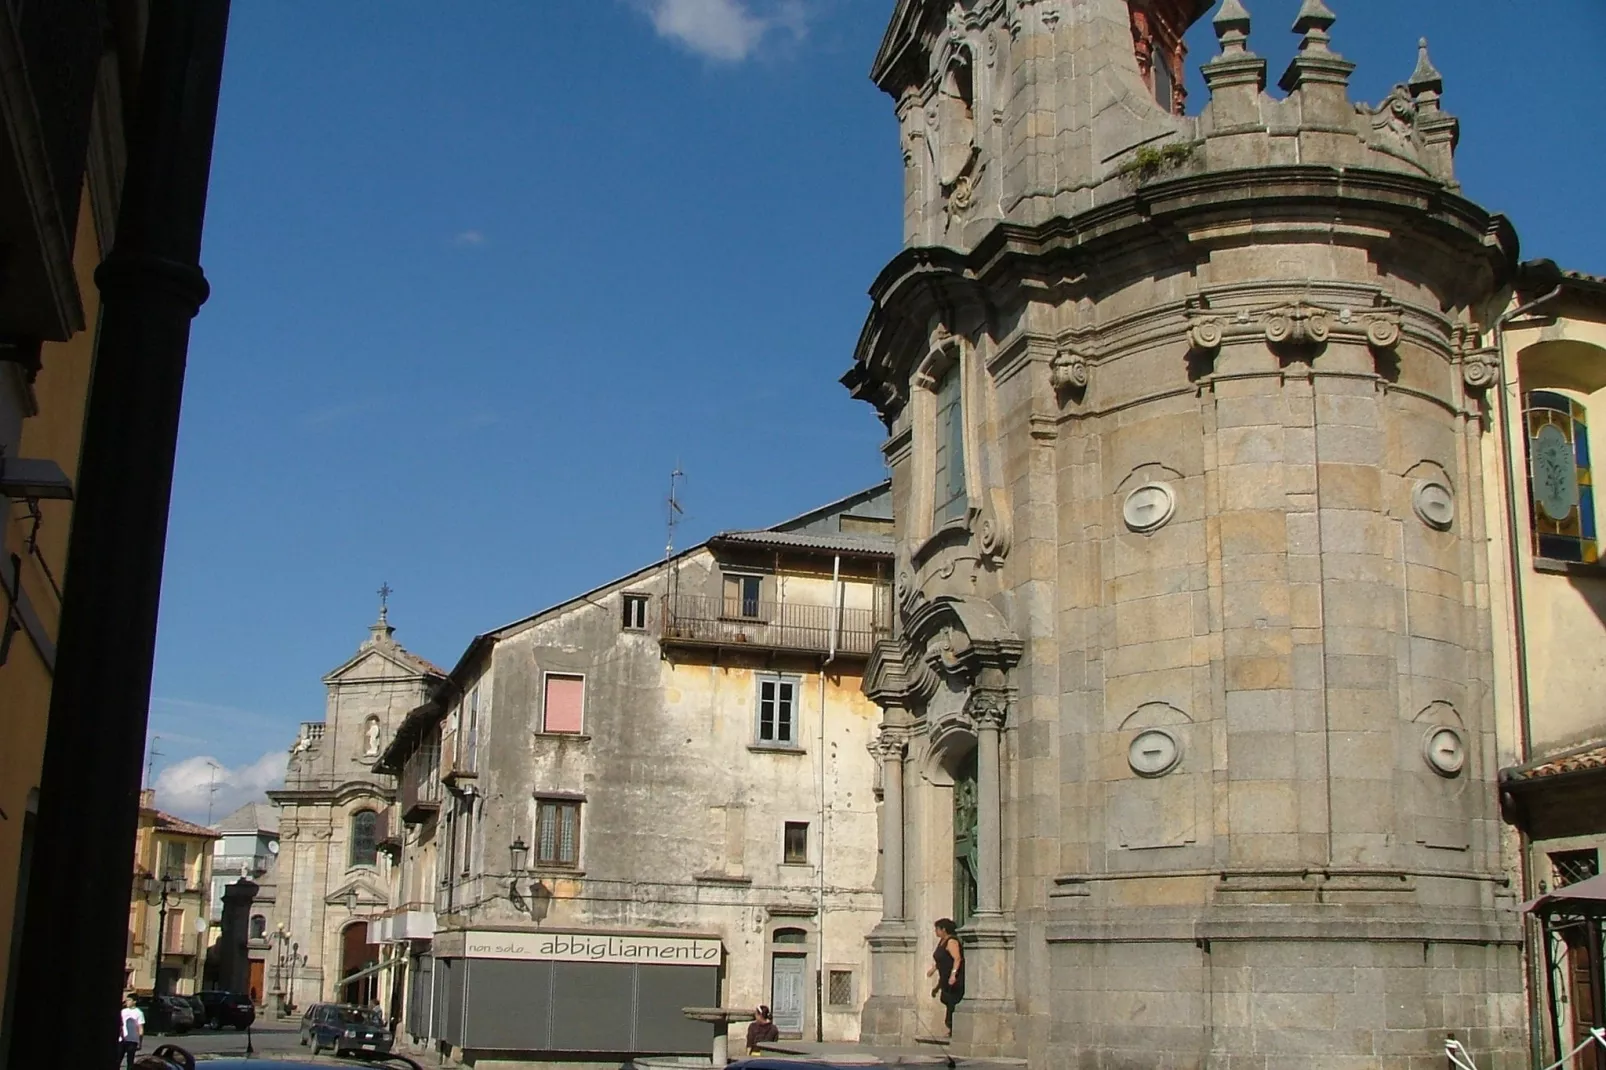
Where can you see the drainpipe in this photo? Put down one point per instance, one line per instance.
(1546, 270)
(819, 973)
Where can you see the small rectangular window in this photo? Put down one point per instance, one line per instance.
(557, 832)
(742, 596)
(777, 711)
(175, 858)
(563, 709)
(468, 835)
(839, 988)
(796, 849)
(635, 612)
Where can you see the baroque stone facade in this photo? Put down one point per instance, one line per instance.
(332, 879)
(1189, 717)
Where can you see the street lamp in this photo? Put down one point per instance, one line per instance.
(160, 887)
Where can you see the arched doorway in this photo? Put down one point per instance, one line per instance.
(357, 955)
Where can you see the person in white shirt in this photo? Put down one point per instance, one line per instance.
(130, 1030)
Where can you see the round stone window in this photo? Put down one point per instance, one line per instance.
(1445, 751)
(1153, 753)
(1148, 507)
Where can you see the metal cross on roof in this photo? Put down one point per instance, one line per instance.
(385, 591)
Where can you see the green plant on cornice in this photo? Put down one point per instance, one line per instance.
(1149, 161)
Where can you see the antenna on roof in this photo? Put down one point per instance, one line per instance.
(674, 510)
(211, 788)
(150, 763)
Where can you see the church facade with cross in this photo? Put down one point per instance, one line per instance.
(332, 877)
(1189, 715)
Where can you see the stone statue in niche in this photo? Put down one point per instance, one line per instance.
(371, 737)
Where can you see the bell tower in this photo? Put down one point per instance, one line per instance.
(1013, 109)
(1185, 420)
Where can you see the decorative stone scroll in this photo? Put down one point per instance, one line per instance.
(1070, 370)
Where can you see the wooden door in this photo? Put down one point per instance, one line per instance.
(254, 987)
(965, 817)
(1583, 981)
(787, 992)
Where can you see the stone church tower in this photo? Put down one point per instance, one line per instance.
(1188, 720)
(331, 875)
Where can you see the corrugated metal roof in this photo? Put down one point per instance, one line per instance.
(869, 545)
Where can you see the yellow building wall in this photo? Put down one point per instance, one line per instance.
(1564, 613)
(62, 389)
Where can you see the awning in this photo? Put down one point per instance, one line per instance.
(1588, 896)
(394, 960)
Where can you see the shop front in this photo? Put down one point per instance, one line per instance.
(573, 995)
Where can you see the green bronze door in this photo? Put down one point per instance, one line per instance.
(965, 839)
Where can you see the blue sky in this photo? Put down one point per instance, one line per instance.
(483, 274)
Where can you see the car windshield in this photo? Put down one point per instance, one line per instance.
(357, 1016)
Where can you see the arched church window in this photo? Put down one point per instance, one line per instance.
(364, 838)
(948, 500)
(1561, 488)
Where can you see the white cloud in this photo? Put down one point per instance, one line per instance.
(727, 30)
(469, 237)
(185, 787)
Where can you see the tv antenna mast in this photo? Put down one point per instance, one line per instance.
(674, 510)
(150, 763)
(211, 788)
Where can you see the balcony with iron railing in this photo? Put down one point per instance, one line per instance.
(716, 621)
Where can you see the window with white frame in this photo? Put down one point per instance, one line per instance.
(776, 723)
(564, 702)
(635, 613)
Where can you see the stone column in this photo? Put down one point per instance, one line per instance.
(891, 747)
(988, 826)
(983, 1022)
(889, 1016)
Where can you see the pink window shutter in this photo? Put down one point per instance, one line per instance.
(565, 703)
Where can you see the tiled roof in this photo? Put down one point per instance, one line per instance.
(873, 545)
(1576, 761)
(165, 822)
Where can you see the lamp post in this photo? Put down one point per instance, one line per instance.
(155, 886)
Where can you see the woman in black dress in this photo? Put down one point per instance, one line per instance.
(948, 966)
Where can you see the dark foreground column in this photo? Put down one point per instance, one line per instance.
(76, 923)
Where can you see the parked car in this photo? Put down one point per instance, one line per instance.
(197, 1008)
(344, 1029)
(228, 1008)
(166, 1014)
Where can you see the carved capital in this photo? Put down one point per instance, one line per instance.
(891, 744)
(1480, 368)
(1069, 371)
(1205, 332)
(1297, 324)
(988, 707)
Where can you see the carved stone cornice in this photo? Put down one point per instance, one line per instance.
(1295, 324)
(895, 675)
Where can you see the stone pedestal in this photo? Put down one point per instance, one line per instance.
(984, 1021)
(889, 1013)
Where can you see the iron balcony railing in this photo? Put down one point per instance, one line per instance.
(717, 621)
